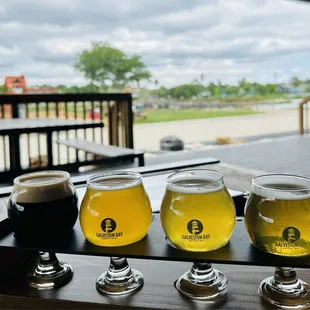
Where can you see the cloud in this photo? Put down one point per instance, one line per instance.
(177, 39)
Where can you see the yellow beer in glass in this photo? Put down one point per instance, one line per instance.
(115, 210)
(197, 211)
(277, 214)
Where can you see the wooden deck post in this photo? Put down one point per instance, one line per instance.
(121, 123)
(129, 136)
(113, 123)
(301, 115)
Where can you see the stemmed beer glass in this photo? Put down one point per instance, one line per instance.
(43, 209)
(277, 216)
(116, 211)
(198, 215)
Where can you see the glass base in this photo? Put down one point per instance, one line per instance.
(49, 273)
(295, 299)
(285, 290)
(120, 279)
(202, 282)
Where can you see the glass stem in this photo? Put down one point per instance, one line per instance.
(48, 264)
(285, 276)
(119, 279)
(202, 273)
(119, 270)
(285, 280)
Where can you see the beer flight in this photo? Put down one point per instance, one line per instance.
(197, 214)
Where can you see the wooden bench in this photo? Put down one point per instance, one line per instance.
(110, 151)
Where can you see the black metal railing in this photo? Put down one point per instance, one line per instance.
(114, 110)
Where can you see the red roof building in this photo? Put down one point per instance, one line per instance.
(15, 84)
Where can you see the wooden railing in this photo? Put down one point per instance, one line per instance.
(303, 116)
(114, 110)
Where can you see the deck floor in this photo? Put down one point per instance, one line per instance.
(281, 155)
(290, 154)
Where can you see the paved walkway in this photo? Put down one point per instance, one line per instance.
(281, 155)
(148, 136)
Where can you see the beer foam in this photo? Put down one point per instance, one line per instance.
(282, 187)
(195, 182)
(42, 187)
(116, 180)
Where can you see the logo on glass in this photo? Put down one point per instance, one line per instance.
(195, 227)
(291, 234)
(108, 225)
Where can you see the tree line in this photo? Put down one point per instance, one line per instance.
(243, 88)
(109, 69)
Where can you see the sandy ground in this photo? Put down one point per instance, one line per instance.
(148, 136)
(191, 131)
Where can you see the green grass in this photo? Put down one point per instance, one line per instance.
(158, 116)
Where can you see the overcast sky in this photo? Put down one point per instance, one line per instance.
(262, 40)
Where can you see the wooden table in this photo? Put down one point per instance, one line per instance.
(15, 127)
(158, 291)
